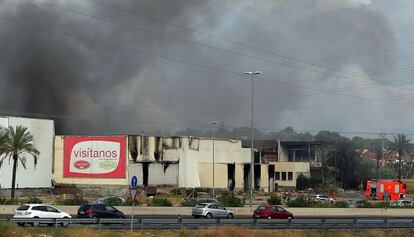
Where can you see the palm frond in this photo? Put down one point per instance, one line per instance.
(23, 161)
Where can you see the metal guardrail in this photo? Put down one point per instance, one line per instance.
(177, 223)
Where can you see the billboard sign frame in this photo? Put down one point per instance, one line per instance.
(90, 156)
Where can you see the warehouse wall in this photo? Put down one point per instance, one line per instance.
(40, 177)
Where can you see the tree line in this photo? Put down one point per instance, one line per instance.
(337, 151)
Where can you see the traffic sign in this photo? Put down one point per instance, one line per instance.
(134, 182)
(133, 192)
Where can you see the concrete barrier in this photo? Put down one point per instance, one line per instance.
(244, 211)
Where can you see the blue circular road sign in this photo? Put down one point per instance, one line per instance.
(134, 182)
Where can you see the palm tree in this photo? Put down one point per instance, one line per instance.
(15, 143)
(401, 145)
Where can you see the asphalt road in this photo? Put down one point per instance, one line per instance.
(162, 222)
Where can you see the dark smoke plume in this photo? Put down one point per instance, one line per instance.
(102, 82)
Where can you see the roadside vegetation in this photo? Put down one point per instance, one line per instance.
(11, 230)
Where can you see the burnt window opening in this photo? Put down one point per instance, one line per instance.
(144, 148)
(194, 143)
(172, 143)
(145, 167)
(246, 175)
(271, 173)
(166, 166)
(231, 168)
(133, 147)
(257, 175)
(158, 149)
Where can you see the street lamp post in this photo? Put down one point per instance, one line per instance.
(251, 137)
(213, 124)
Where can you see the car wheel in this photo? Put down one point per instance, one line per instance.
(269, 217)
(65, 223)
(209, 216)
(230, 216)
(36, 223)
(289, 218)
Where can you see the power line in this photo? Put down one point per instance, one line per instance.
(384, 83)
(208, 35)
(364, 53)
(112, 45)
(208, 46)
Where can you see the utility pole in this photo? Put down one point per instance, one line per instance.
(251, 136)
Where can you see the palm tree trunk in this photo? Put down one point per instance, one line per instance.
(14, 176)
(377, 170)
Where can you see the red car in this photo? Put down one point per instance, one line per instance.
(271, 212)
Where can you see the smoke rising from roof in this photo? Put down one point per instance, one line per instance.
(96, 77)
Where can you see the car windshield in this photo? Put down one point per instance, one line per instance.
(201, 205)
(261, 208)
(23, 208)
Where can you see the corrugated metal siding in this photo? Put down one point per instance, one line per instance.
(157, 175)
(135, 170)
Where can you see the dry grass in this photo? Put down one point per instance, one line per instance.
(8, 230)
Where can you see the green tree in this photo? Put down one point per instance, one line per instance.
(401, 145)
(14, 144)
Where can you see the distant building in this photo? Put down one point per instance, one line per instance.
(285, 160)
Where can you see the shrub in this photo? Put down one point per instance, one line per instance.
(177, 191)
(300, 201)
(204, 190)
(76, 200)
(229, 200)
(365, 204)
(303, 182)
(113, 201)
(274, 200)
(34, 200)
(341, 204)
(380, 205)
(192, 192)
(191, 202)
(160, 202)
(13, 201)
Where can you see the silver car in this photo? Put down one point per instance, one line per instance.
(211, 210)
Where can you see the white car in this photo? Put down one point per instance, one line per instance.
(36, 211)
(322, 198)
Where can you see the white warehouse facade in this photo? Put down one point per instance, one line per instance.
(43, 131)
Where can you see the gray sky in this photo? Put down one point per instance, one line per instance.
(106, 66)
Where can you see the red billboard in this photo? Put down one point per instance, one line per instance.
(95, 157)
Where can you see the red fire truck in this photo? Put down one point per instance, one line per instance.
(380, 189)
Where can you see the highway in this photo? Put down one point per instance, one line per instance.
(159, 222)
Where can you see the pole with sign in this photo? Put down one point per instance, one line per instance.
(133, 192)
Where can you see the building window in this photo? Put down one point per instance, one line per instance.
(290, 175)
(277, 175)
(283, 175)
